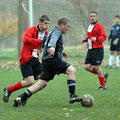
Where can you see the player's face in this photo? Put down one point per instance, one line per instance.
(117, 20)
(93, 17)
(44, 25)
(66, 27)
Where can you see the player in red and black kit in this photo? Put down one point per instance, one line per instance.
(95, 37)
(33, 42)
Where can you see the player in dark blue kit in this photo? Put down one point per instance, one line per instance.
(53, 64)
(114, 40)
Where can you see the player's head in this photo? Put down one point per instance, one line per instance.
(44, 22)
(64, 24)
(93, 17)
(117, 19)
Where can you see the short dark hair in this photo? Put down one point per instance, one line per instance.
(117, 16)
(93, 12)
(63, 20)
(44, 17)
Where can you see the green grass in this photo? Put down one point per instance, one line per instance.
(74, 54)
(52, 102)
(8, 55)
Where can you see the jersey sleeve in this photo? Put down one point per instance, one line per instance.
(54, 38)
(102, 35)
(110, 36)
(28, 37)
(119, 32)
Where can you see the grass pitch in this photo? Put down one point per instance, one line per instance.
(52, 102)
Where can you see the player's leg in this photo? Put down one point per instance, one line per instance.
(29, 92)
(111, 59)
(7, 91)
(118, 55)
(29, 70)
(118, 59)
(88, 63)
(90, 68)
(71, 71)
(42, 83)
(101, 77)
(112, 54)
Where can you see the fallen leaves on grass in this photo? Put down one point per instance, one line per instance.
(118, 117)
(35, 118)
(85, 119)
(71, 110)
(54, 111)
(9, 65)
(68, 115)
(64, 108)
(107, 114)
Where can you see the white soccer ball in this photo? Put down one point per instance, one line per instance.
(87, 100)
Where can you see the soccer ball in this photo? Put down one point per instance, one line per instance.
(87, 101)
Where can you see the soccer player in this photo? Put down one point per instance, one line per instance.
(114, 40)
(95, 37)
(33, 41)
(53, 64)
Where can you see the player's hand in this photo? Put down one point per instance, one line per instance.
(108, 43)
(65, 55)
(40, 50)
(51, 50)
(83, 41)
(93, 38)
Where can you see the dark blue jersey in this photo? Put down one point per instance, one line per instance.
(115, 31)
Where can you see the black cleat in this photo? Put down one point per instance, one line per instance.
(18, 102)
(102, 88)
(6, 95)
(74, 98)
(105, 77)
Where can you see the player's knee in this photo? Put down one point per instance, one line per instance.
(97, 68)
(46, 83)
(31, 82)
(38, 77)
(73, 71)
(42, 84)
(86, 67)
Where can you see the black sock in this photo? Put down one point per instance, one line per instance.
(71, 86)
(26, 95)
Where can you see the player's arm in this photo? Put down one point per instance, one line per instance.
(84, 40)
(28, 37)
(102, 35)
(44, 40)
(51, 50)
(53, 40)
(65, 55)
(110, 36)
(43, 43)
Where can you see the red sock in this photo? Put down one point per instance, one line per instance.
(102, 82)
(15, 87)
(94, 71)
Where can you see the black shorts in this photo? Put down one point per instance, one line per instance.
(114, 47)
(52, 67)
(94, 56)
(31, 68)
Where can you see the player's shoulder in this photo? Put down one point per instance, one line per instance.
(56, 30)
(99, 24)
(113, 24)
(32, 28)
